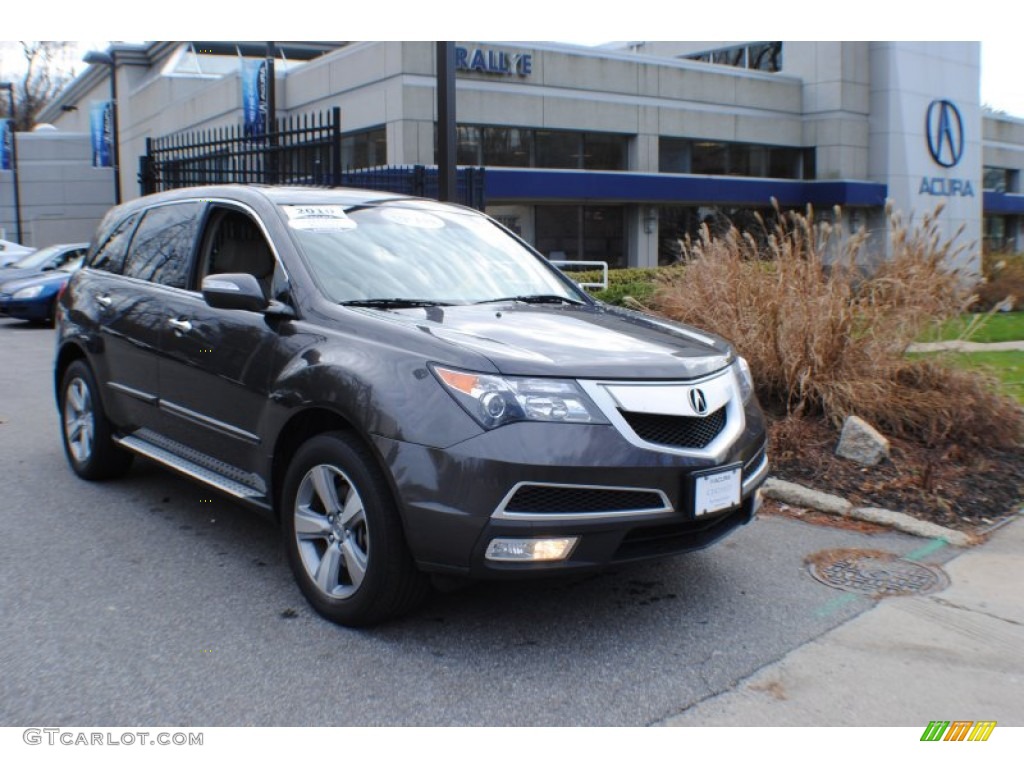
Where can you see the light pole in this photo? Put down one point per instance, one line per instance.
(99, 57)
(9, 87)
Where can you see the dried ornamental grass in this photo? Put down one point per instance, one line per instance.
(824, 337)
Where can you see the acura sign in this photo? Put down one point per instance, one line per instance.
(944, 136)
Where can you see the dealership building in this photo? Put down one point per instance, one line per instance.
(620, 152)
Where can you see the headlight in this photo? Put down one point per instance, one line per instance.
(497, 400)
(28, 293)
(743, 377)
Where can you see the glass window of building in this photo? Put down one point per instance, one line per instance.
(507, 146)
(710, 158)
(999, 179)
(557, 231)
(557, 149)
(604, 151)
(581, 233)
(734, 159)
(364, 149)
(765, 57)
(469, 151)
(673, 155)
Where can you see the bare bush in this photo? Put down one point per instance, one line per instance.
(825, 337)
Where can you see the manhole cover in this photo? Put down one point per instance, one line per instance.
(879, 574)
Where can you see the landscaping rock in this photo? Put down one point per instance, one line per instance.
(861, 442)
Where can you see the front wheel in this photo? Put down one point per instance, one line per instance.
(87, 434)
(343, 534)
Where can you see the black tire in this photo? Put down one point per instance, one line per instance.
(344, 536)
(85, 430)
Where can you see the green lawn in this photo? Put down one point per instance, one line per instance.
(1001, 326)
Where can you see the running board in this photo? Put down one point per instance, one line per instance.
(193, 470)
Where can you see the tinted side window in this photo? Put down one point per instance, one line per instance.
(110, 256)
(161, 249)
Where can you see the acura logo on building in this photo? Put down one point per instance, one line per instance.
(945, 131)
(698, 402)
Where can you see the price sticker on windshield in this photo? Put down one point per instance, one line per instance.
(318, 218)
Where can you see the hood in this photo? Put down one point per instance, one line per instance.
(574, 342)
(54, 277)
(9, 274)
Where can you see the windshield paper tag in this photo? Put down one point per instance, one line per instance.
(410, 218)
(318, 218)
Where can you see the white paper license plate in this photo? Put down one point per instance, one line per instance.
(717, 491)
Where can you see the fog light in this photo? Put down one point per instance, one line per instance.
(531, 550)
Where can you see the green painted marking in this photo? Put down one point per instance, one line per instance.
(835, 604)
(932, 546)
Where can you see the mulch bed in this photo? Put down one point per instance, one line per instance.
(959, 487)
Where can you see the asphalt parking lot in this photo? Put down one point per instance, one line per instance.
(153, 600)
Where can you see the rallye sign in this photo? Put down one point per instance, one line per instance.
(493, 62)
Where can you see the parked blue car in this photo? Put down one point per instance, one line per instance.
(44, 260)
(35, 298)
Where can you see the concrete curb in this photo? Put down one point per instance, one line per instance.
(966, 346)
(800, 496)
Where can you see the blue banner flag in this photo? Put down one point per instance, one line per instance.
(101, 123)
(6, 145)
(254, 97)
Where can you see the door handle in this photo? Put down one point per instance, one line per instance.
(104, 301)
(180, 326)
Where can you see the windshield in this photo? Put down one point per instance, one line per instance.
(418, 252)
(36, 258)
(72, 266)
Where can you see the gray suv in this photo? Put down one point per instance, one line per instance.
(407, 387)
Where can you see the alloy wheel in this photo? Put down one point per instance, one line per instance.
(331, 532)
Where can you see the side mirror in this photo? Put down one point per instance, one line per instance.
(234, 291)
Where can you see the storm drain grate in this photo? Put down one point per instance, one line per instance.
(879, 574)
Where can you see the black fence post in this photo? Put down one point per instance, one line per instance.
(335, 147)
(147, 170)
(419, 180)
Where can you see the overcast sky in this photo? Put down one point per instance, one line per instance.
(580, 21)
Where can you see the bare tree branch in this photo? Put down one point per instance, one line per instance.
(47, 70)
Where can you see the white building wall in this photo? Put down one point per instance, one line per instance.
(905, 79)
(62, 195)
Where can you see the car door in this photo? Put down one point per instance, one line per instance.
(217, 364)
(125, 340)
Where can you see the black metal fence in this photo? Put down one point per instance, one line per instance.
(302, 150)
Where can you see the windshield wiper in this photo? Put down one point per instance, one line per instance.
(537, 298)
(394, 303)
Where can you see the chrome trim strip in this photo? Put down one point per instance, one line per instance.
(136, 393)
(500, 513)
(600, 391)
(757, 476)
(209, 423)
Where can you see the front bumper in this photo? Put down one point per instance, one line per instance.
(25, 309)
(624, 502)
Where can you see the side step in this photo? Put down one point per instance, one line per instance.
(193, 470)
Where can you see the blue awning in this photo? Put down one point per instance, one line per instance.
(545, 185)
(1001, 204)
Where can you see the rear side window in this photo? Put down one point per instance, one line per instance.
(110, 256)
(161, 250)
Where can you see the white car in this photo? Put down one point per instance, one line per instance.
(10, 252)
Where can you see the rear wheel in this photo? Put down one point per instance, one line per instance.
(87, 435)
(343, 534)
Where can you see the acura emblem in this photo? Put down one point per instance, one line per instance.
(945, 131)
(698, 402)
